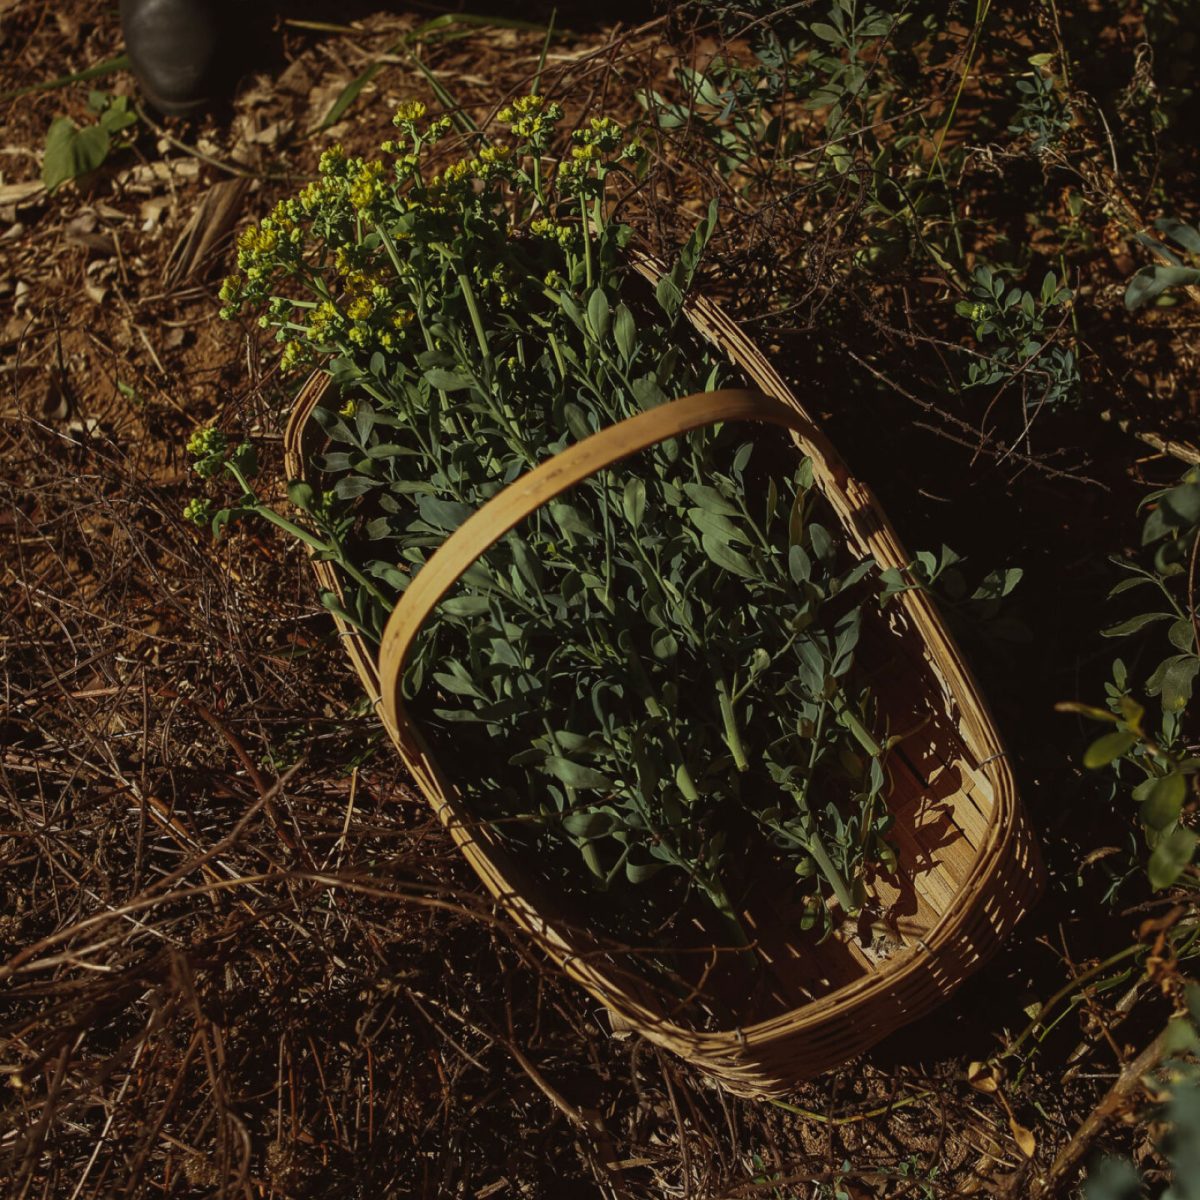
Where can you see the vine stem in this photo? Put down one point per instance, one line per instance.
(309, 539)
(1067, 990)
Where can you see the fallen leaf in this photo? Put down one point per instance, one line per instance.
(983, 1077)
(1024, 1138)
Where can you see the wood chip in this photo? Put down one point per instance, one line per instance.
(149, 174)
(20, 193)
(297, 78)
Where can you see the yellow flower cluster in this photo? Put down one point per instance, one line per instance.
(332, 161)
(408, 112)
(601, 132)
(454, 173)
(293, 357)
(325, 322)
(367, 189)
(522, 107)
(532, 119)
(490, 162)
(206, 440)
(197, 510)
(543, 227)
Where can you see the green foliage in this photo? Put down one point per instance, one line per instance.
(1150, 283)
(72, 151)
(1018, 332)
(847, 117)
(1043, 113)
(656, 671)
(740, 109)
(1165, 794)
(970, 610)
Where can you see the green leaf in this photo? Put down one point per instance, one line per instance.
(647, 392)
(301, 495)
(575, 775)
(1181, 234)
(1182, 504)
(598, 313)
(664, 644)
(1170, 856)
(634, 502)
(465, 606)
(727, 558)
(107, 67)
(718, 527)
(350, 486)
(117, 116)
(625, 333)
(1177, 682)
(1150, 283)
(443, 514)
(457, 685)
(1134, 624)
(1126, 584)
(709, 499)
(570, 520)
(1182, 635)
(669, 297)
(526, 563)
(640, 872)
(821, 541)
(72, 152)
(350, 93)
(446, 381)
(1109, 747)
(1163, 801)
(588, 824)
(799, 565)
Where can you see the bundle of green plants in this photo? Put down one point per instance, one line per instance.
(649, 687)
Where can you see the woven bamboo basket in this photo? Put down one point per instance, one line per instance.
(968, 868)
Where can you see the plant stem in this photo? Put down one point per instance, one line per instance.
(476, 323)
(849, 719)
(733, 736)
(820, 856)
(813, 843)
(683, 777)
(323, 547)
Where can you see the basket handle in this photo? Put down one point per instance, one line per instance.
(509, 508)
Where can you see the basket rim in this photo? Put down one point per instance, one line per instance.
(865, 524)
